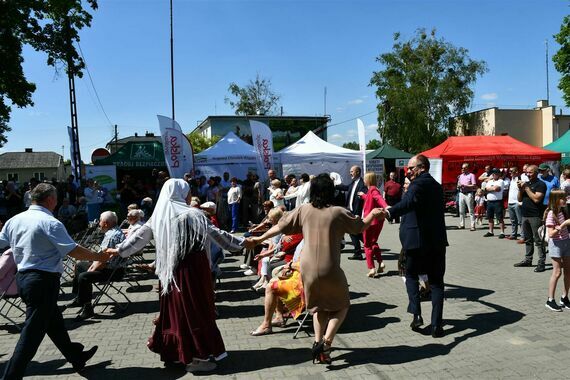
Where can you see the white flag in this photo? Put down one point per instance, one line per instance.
(362, 142)
(263, 144)
(178, 152)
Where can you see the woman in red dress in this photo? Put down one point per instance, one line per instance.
(372, 199)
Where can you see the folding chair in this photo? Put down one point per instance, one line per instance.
(105, 287)
(9, 302)
(302, 324)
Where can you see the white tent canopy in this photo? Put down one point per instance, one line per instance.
(313, 155)
(231, 154)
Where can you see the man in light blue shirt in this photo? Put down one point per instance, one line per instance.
(40, 242)
(550, 180)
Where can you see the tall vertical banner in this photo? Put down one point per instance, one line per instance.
(178, 152)
(362, 142)
(263, 143)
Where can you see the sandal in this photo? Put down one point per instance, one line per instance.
(258, 332)
(316, 351)
(278, 323)
(325, 355)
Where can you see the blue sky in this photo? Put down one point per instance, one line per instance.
(302, 46)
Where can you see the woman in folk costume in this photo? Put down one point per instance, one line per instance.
(186, 330)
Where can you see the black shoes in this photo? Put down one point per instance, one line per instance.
(84, 357)
(86, 313)
(356, 257)
(565, 302)
(489, 234)
(417, 322)
(523, 263)
(539, 268)
(437, 332)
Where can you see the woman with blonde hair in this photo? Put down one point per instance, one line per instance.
(372, 199)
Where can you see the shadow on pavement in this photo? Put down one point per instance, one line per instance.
(240, 311)
(478, 324)
(363, 317)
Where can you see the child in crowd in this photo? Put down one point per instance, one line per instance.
(276, 194)
(558, 248)
(480, 211)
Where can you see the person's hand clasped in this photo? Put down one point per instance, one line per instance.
(111, 252)
(250, 243)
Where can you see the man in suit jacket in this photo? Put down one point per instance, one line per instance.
(424, 239)
(354, 204)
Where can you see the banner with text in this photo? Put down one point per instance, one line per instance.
(178, 152)
(263, 143)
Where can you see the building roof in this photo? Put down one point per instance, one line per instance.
(136, 138)
(30, 160)
(388, 151)
(321, 120)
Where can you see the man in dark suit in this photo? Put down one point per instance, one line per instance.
(354, 204)
(424, 239)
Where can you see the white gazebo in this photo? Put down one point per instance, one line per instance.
(231, 154)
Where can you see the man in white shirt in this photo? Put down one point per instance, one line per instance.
(514, 207)
(494, 190)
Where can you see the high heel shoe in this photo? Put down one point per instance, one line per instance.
(325, 357)
(371, 273)
(316, 351)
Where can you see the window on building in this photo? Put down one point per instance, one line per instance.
(12, 177)
(39, 176)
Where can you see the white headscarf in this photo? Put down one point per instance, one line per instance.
(171, 232)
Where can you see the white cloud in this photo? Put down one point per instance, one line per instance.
(340, 109)
(372, 127)
(351, 133)
(489, 96)
(336, 136)
(355, 102)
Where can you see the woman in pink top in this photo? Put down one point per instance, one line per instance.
(558, 248)
(372, 200)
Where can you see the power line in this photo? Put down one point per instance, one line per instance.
(354, 118)
(93, 85)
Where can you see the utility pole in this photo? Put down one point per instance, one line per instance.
(116, 139)
(325, 101)
(75, 151)
(547, 86)
(172, 59)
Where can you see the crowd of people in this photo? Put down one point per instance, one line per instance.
(293, 236)
(538, 204)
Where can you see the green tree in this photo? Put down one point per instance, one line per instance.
(255, 98)
(562, 59)
(372, 144)
(45, 25)
(422, 83)
(351, 145)
(200, 142)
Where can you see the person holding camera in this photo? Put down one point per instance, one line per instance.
(494, 191)
(531, 194)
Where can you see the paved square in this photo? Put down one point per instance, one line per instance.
(495, 322)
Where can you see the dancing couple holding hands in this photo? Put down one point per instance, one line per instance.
(324, 282)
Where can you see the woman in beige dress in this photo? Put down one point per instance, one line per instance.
(325, 286)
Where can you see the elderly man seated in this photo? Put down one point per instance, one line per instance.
(135, 219)
(87, 273)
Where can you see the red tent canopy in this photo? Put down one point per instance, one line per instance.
(499, 151)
